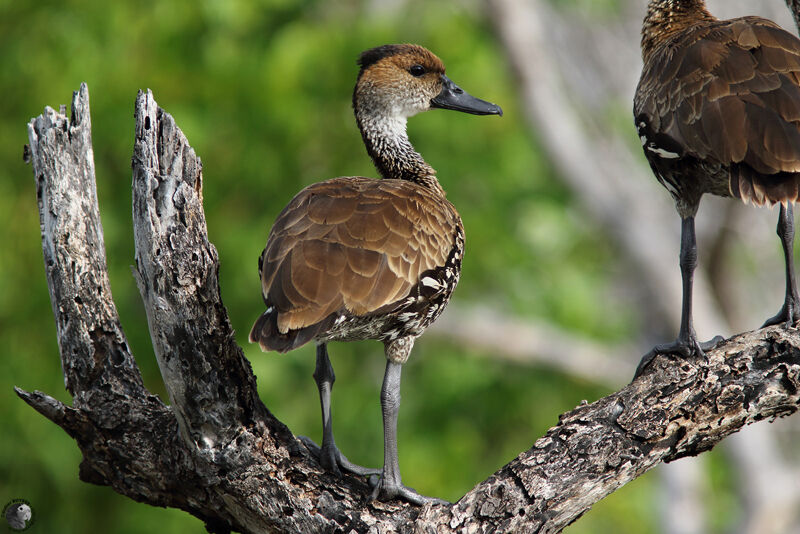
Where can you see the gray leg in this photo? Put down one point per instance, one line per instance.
(325, 377)
(790, 312)
(329, 455)
(390, 484)
(687, 344)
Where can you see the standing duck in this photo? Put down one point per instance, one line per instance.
(357, 258)
(718, 111)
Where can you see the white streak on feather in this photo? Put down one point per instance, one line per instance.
(430, 282)
(666, 154)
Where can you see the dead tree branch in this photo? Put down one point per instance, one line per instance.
(219, 454)
(530, 342)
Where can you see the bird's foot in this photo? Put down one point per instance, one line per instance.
(788, 316)
(333, 461)
(686, 348)
(384, 490)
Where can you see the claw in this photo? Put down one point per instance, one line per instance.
(788, 316)
(790, 312)
(384, 491)
(686, 348)
(333, 461)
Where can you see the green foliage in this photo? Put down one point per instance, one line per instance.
(262, 90)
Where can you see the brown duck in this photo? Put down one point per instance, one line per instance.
(357, 258)
(718, 111)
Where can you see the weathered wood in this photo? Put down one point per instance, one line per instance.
(93, 347)
(211, 386)
(127, 436)
(794, 7)
(677, 409)
(219, 454)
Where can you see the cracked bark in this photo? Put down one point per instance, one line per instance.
(219, 454)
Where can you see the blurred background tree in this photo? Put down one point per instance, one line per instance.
(262, 90)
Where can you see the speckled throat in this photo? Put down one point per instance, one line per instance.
(666, 18)
(391, 151)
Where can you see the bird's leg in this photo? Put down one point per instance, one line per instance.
(687, 339)
(790, 312)
(325, 377)
(686, 345)
(329, 455)
(390, 484)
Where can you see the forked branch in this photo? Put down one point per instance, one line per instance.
(219, 454)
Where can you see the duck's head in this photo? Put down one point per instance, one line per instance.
(401, 80)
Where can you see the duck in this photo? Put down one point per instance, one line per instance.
(717, 109)
(357, 258)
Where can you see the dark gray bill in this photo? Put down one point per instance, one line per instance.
(455, 98)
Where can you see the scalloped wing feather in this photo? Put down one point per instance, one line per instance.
(728, 93)
(353, 245)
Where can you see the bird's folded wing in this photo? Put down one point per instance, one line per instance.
(353, 245)
(727, 93)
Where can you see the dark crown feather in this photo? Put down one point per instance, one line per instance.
(373, 55)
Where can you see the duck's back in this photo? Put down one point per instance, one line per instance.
(356, 257)
(718, 110)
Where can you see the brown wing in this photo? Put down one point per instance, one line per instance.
(352, 245)
(726, 93)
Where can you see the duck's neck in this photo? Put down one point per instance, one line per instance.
(666, 18)
(387, 143)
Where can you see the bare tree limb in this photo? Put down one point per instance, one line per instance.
(92, 344)
(211, 385)
(679, 409)
(527, 342)
(125, 433)
(768, 488)
(219, 454)
(682, 507)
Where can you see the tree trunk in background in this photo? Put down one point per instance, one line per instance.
(572, 70)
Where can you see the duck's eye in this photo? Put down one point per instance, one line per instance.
(417, 70)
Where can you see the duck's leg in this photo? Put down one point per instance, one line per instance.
(686, 344)
(329, 455)
(790, 312)
(390, 484)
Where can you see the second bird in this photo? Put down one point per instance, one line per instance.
(718, 111)
(356, 258)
